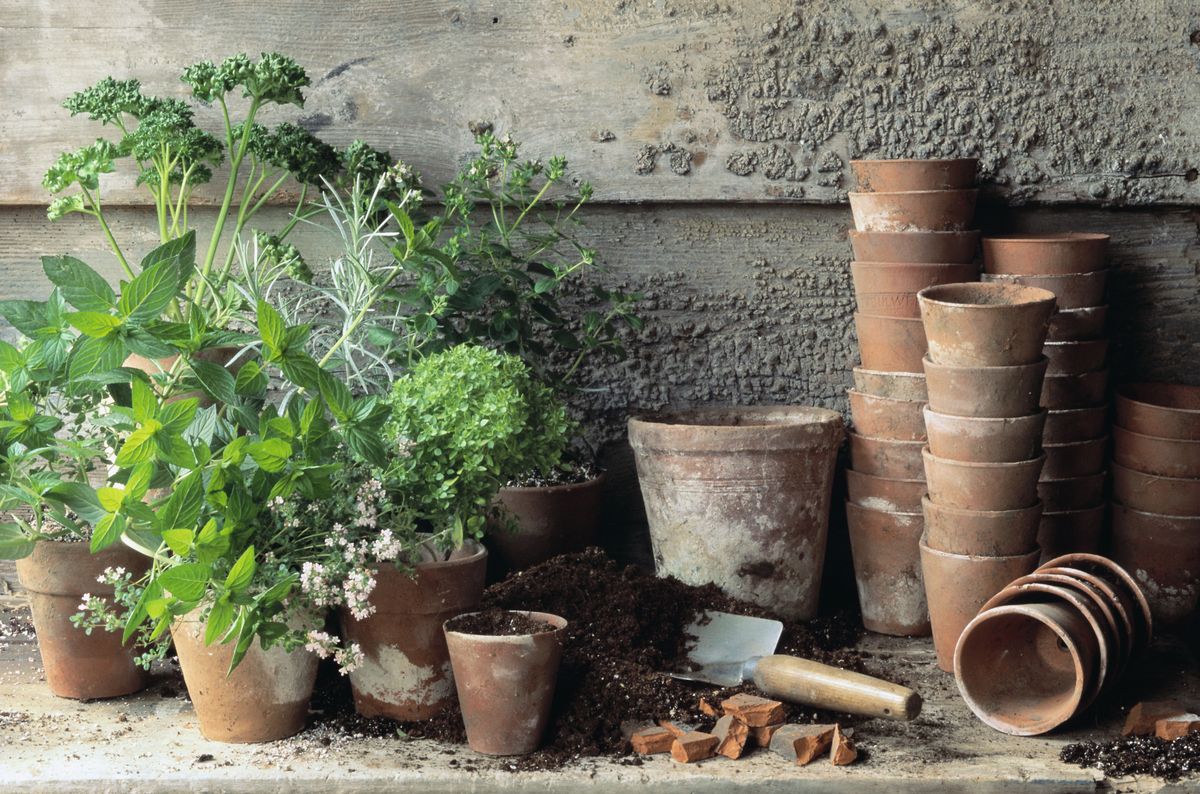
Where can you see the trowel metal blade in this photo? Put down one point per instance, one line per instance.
(722, 645)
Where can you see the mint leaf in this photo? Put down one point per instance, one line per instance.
(81, 286)
(186, 582)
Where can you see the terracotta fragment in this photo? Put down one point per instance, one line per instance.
(844, 752)
(650, 741)
(694, 746)
(1144, 716)
(733, 735)
(1177, 727)
(802, 743)
(753, 710)
(762, 736)
(675, 728)
(709, 709)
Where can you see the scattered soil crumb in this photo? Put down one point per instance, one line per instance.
(1138, 755)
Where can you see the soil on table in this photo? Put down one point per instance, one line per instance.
(498, 623)
(1138, 755)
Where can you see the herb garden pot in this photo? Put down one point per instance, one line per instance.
(885, 494)
(1167, 457)
(887, 570)
(1166, 410)
(1076, 358)
(893, 385)
(890, 289)
(983, 439)
(1071, 531)
(1087, 390)
(506, 683)
(992, 392)
(1075, 459)
(1075, 424)
(881, 457)
(982, 533)
(546, 521)
(1071, 493)
(881, 417)
(79, 665)
(1123, 589)
(1071, 290)
(898, 175)
(1173, 496)
(265, 698)
(985, 325)
(405, 673)
(1045, 254)
(914, 210)
(1076, 325)
(1163, 554)
(890, 344)
(982, 486)
(739, 497)
(226, 357)
(911, 247)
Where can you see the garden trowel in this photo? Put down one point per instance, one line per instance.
(730, 649)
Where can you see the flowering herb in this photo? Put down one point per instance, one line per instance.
(103, 614)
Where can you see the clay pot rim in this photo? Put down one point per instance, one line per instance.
(1131, 585)
(1083, 311)
(984, 465)
(910, 160)
(1184, 520)
(1086, 442)
(556, 625)
(975, 232)
(1190, 481)
(977, 557)
(1043, 361)
(998, 514)
(863, 474)
(915, 193)
(986, 419)
(591, 482)
(916, 320)
(1016, 278)
(881, 440)
(873, 397)
(1157, 439)
(1133, 394)
(481, 551)
(864, 508)
(1098, 476)
(1098, 508)
(1023, 296)
(790, 416)
(913, 265)
(1048, 237)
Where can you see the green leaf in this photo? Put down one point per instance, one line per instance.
(139, 481)
(144, 401)
(242, 572)
(251, 380)
(138, 447)
(187, 582)
(94, 324)
(182, 508)
(107, 531)
(81, 498)
(147, 344)
(95, 354)
(176, 416)
(270, 454)
(148, 294)
(220, 618)
(174, 450)
(28, 317)
(337, 395)
(14, 543)
(81, 286)
(181, 252)
(245, 636)
(10, 358)
(215, 379)
(301, 369)
(367, 445)
(139, 613)
(179, 540)
(110, 498)
(270, 326)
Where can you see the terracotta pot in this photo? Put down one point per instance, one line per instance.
(981, 533)
(506, 685)
(911, 247)
(984, 440)
(405, 674)
(1075, 424)
(890, 344)
(881, 457)
(1163, 554)
(1076, 459)
(549, 521)
(887, 570)
(914, 210)
(1072, 290)
(901, 175)
(1115, 629)
(885, 494)
(1070, 531)
(1077, 325)
(890, 289)
(764, 476)
(991, 392)
(956, 586)
(1173, 496)
(1166, 410)
(265, 698)
(881, 417)
(1045, 254)
(893, 385)
(1123, 585)
(79, 665)
(1062, 392)
(982, 486)
(1071, 493)
(1168, 457)
(227, 357)
(1025, 669)
(1076, 358)
(985, 325)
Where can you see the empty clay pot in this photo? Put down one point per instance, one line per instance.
(887, 571)
(1061, 392)
(981, 533)
(893, 385)
(909, 247)
(1168, 457)
(890, 289)
(1099, 594)
(1045, 254)
(1126, 589)
(1075, 459)
(1166, 410)
(957, 585)
(1071, 290)
(547, 521)
(1163, 554)
(992, 392)
(1076, 358)
(881, 457)
(914, 210)
(1075, 424)
(1077, 325)
(506, 684)
(985, 325)
(880, 417)
(1173, 496)
(904, 175)
(1071, 493)
(982, 486)
(1025, 669)
(890, 344)
(983, 439)
(885, 494)
(1071, 531)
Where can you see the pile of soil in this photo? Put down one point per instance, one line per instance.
(1138, 755)
(498, 623)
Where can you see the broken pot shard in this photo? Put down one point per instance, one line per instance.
(844, 752)
(732, 735)
(694, 746)
(1144, 717)
(753, 710)
(650, 741)
(802, 743)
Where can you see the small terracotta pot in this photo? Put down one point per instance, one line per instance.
(1025, 669)
(910, 247)
(549, 521)
(1076, 358)
(1075, 424)
(893, 385)
(1076, 459)
(902, 175)
(1173, 496)
(1071, 493)
(982, 486)
(1045, 254)
(887, 570)
(1077, 325)
(1117, 630)
(991, 392)
(981, 533)
(890, 289)
(985, 325)
(881, 457)
(227, 357)
(956, 586)
(1071, 531)
(1166, 410)
(1167, 457)
(1072, 290)
(885, 494)
(1063, 392)
(880, 417)
(506, 685)
(914, 210)
(984, 440)
(890, 344)
(1163, 554)
(1125, 587)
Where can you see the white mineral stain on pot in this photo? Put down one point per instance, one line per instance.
(392, 677)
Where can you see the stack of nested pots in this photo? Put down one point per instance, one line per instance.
(1156, 494)
(984, 375)
(1073, 267)
(911, 232)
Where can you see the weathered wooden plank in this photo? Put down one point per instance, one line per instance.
(690, 100)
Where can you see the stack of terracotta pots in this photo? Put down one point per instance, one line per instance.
(1073, 267)
(911, 232)
(1156, 494)
(984, 375)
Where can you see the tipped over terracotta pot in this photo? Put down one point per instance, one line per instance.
(885, 494)
(983, 533)
(890, 290)
(880, 417)
(887, 570)
(1071, 290)
(1045, 253)
(1166, 410)
(881, 457)
(985, 325)
(905, 175)
(890, 344)
(909, 247)
(914, 210)
(982, 486)
(991, 392)
(984, 440)
(893, 385)
(1107, 575)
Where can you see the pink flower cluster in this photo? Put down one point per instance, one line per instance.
(325, 645)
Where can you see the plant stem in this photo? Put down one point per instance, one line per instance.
(112, 241)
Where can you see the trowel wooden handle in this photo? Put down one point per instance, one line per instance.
(815, 684)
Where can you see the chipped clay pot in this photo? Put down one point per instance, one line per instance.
(985, 440)
(1173, 496)
(78, 665)
(982, 533)
(911, 247)
(1163, 554)
(885, 494)
(992, 392)
(1063, 392)
(1074, 459)
(880, 417)
(985, 325)
(506, 685)
(914, 210)
(890, 344)
(1075, 424)
(740, 497)
(1071, 493)
(1077, 325)
(549, 520)
(405, 674)
(1045, 254)
(881, 457)
(1076, 358)
(893, 385)
(1123, 590)
(904, 174)
(1072, 290)
(1167, 457)
(890, 289)
(1166, 410)
(887, 570)
(982, 486)
(1071, 531)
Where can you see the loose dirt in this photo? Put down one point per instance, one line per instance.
(1138, 755)
(498, 623)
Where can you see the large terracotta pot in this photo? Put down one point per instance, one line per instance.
(888, 289)
(890, 344)
(993, 392)
(983, 439)
(914, 210)
(1165, 410)
(881, 417)
(982, 486)
(79, 665)
(1173, 496)
(1072, 290)
(548, 521)
(902, 175)
(1163, 554)
(1063, 392)
(1166, 457)
(739, 497)
(1077, 325)
(893, 385)
(1076, 358)
(885, 494)
(982, 533)
(1077, 459)
(1075, 424)
(882, 457)
(1122, 588)
(908, 247)
(887, 570)
(985, 325)
(406, 674)
(1071, 493)
(1071, 531)
(1045, 254)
